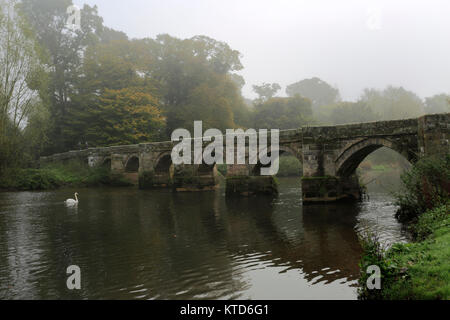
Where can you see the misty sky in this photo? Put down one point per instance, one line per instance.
(350, 44)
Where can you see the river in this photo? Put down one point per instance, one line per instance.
(135, 244)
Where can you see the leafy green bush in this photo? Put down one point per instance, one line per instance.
(34, 179)
(426, 186)
(430, 221)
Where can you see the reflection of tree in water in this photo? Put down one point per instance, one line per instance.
(323, 242)
(134, 244)
(331, 241)
(181, 259)
(157, 244)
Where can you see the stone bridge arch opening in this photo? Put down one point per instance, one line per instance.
(290, 164)
(205, 169)
(132, 169)
(163, 171)
(351, 158)
(132, 165)
(372, 165)
(106, 164)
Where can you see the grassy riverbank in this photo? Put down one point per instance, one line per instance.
(420, 269)
(56, 176)
(417, 270)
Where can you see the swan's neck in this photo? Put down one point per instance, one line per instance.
(76, 198)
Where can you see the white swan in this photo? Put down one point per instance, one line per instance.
(71, 202)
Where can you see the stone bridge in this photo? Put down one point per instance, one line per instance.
(330, 156)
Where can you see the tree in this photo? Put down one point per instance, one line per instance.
(119, 66)
(185, 77)
(393, 103)
(108, 35)
(352, 112)
(125, 116)
(283, 113)
(219, 56)
(186, 67)
(63, 49)
(238, 80)
(21, 76)
(439, 103)
(266, 91)
(318, 91)
(206, 103)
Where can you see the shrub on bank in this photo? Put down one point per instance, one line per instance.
(430, 221)
(418, 270)
(426, 185)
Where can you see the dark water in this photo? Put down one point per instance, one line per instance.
(133, 244)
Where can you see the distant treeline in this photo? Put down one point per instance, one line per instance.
(63, 88)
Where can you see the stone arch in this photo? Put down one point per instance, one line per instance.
(350, 158)
(255, 169)
(132, 164)
(106, 163)
(163, 163)
(209, 169)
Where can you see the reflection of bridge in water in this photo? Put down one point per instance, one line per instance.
(214, 248)
(330, 156)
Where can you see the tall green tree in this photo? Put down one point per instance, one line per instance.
(393, 103)
(283, 113)
(63, 48)
(266, 91)
(125, 116)
(438, 103)
(184, 68)
(118, 66)
(318, 91)
(21, 77)
(352, 112)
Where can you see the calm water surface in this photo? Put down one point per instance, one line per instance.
(133, 244)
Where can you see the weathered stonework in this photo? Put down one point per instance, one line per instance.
(251, 185)
(329, 189)
(329, 155)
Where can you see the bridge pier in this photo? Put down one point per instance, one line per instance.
(239, 181)
(154, 180)
(180, 178)
(195, 178)
(330, 189)
(117, 165)
(251, 185)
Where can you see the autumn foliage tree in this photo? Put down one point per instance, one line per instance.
(197, 82)
(125, 116)
(114, 70)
